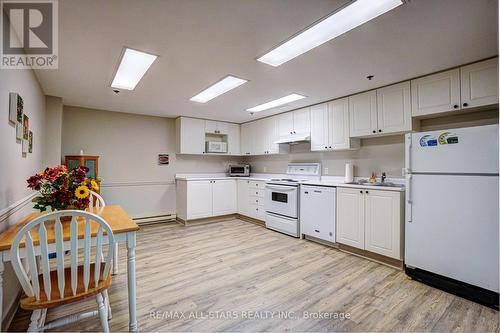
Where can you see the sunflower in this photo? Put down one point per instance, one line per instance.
(94, 185)
(82, 192)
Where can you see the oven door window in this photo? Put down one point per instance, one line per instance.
(279, 197)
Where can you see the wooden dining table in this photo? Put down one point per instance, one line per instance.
(124, 230)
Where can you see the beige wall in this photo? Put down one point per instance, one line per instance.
(15, 167)
(53, 120)
(128, 146)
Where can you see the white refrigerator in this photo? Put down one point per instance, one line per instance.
(452, 204)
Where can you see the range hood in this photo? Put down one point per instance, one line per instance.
(295, 138)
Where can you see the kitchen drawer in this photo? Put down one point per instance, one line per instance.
(259, 201)
(256, 184)
(257, 212)
(255, 192)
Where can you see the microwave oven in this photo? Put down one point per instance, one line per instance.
(239, 170)
(215, 147)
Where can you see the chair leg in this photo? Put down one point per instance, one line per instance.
(34, 324)
(103, 312)
(107, 303)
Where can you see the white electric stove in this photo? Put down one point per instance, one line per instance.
(282, 197)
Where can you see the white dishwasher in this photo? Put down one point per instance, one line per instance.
(317, 211)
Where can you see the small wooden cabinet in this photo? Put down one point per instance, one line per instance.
(91, 162)
(371, 220)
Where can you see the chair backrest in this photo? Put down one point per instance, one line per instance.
(96, 201)
(96, 233)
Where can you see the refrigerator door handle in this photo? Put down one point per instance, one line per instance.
(408, 198)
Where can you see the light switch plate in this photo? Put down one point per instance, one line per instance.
(325, 171)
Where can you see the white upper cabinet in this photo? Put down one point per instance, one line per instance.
(271, 134)
(190, 133)
(285, 124)
(218, 127)
(295, 122)
(330, 126)
(338, 124)
(319, 127)
(436, 93)
(394, 108)
(233, 138)
(246, 139)
(479, 83)
(363, 114)
(302, 121)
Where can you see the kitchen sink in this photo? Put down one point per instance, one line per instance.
(366, 183)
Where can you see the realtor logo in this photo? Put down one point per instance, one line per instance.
(29, 34)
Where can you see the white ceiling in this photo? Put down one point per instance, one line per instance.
(201, 41)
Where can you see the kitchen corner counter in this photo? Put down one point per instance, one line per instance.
(221, 176)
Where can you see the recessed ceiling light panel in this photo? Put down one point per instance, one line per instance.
(336, 24)
(277, 102)
(228, 83)
(133, 65)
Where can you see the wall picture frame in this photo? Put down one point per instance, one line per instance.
(19, 130)
(25, 146)
(16, 108)
(30, 142)
(26, 127)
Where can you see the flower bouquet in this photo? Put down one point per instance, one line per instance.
(62, 189)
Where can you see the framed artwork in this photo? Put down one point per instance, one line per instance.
(25, 146)
(30, 143)
(26, 127)
(19, 130)
(163, 159)
(15, 108)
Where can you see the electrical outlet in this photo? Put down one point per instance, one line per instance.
(265, 169)
(325, 171)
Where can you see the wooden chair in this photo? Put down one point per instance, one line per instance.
(96, 201)
(64, 285)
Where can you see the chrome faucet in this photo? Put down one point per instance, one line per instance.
(383, 177)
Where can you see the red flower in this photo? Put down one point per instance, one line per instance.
(82, 203)
(63, 196)
(52, 174)
(34, 182)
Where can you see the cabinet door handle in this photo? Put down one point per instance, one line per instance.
(361, 192)
(366, 192)
(380, 130)
(305, 192)
(316, 191)
(455, 106)
(330, 147)
(316, 230)
(374, 131)
(465, 104)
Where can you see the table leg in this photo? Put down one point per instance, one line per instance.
(1, 291)
(131, 281)
(115, 260)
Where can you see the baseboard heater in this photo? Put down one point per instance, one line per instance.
(155, 219)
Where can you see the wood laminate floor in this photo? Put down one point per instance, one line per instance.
(237, 276)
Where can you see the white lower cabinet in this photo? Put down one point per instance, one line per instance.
(317, 212)
(198, 199)
(224, 197)
(251, 199)
(370, 220)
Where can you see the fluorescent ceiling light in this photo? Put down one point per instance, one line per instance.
(336, 24)
(277, 102)
(217, 89)
(133, 66)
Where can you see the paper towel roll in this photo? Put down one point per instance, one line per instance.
(349, 173)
